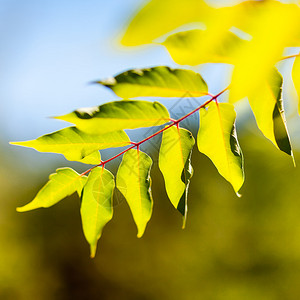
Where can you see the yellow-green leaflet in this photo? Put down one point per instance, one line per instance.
(60, 185)
(96, 205)
(160, 17)
(217, 139)
(76, 145)
(268, 110)
(175, 165)
(170, 15)
(296, 78)
(134, 182)
(118, 115)
(157, 82)
(194, 47)
(276, 27)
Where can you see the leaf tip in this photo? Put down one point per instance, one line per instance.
(23, 144)
(21, 209)
(30, 206)
(94, 82)
(54, 117)
(293, 158)
(238, 194)
(140, 233)
(183, 222)
(93, 249)
(61, 117)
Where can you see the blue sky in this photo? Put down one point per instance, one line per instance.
(51, 50)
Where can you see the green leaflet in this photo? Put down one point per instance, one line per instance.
(217, 139)
(268, 110)
(170, 15)
(194, 47)
(96, 205)
(175, 165)
(76, 145)
(157, 82)
(118, 115)
(134, 182)
(60, 185)
(296, 78)
(160, 17)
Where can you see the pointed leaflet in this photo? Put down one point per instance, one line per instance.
(118, 115)
(96, 205)
(268, 110)
(194, 47)
(134, 182)
(157, 82)
(217, 139)
(296, 78)
(175, 165)
(60, 185)
(76, 145)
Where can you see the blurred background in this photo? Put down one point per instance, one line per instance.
(232, 248)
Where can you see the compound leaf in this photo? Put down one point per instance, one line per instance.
(76, 145)
(268, 110)
(134, 182)
(175, 165)
(60, 185)
(96, 205)
(217, 139)
(118, 115)
(157, 82)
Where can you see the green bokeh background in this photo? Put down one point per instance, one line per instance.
(232, 248)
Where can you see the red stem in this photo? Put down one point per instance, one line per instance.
(174, 122)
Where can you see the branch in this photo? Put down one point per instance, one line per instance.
(173, 122)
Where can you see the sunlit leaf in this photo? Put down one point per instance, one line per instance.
(194, 47)
(160, 17)
(96, 205)
(134, 182)
(268, 110)
(271, 25)
(118, 115)
(217, 139)
(175, 165)
(296, 78)
(60, 185)
(157, 82)
(173, 14)
(76, 145)
(275, 27)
